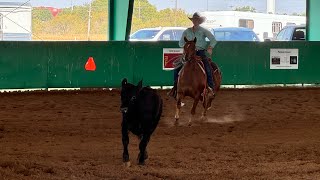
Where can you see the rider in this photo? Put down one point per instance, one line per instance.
(201, 34)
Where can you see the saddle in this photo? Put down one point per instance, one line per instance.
(214, 69)
(213, 66)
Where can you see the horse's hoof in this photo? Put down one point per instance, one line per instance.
(176, 123)
(127, 164)
(141, 163)
(182, 104)
(146, 156)
(189, 124)
(203, 118)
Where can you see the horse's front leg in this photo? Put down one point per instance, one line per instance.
(178, 107)
(143, 155)
(125, 143)
(193, 110)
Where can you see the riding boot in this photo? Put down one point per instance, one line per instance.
(211, 93)
(173, 91)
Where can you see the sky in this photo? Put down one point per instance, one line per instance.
(282, 6)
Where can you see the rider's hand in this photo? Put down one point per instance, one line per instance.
(209, 50)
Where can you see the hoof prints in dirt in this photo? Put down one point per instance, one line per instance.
(25, 168)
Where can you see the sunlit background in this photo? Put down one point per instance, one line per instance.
(83, 20)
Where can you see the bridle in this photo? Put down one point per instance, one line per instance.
(187, 46)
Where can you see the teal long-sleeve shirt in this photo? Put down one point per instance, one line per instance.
(201, 34)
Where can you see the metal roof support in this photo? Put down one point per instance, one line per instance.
(313, 23)
(120, 19)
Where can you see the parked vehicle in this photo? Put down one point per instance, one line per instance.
(266, 26)
(158, 34)
(234, 34)
(292, 33)
(15, 21)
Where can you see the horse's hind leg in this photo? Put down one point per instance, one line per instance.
(209, 103)
(193, 110)
(205, 108)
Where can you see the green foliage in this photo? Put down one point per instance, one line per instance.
(146, 15)
(297, 14)
(246, 9)
(70, 23)
(166, 17)
(41, 14)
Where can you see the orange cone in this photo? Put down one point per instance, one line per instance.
(90, 65)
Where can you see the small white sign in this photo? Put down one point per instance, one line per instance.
(169, 56)
(284, 58)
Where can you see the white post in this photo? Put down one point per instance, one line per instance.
(89, 20)
(1, 27)
(71, 5)
(139, 10)
(271, 6)
(175, 14)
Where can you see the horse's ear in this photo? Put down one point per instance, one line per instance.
(195, 39)
(124, 81)
(185, 39)
(139, 84)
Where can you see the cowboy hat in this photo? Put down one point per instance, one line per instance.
(197, 15)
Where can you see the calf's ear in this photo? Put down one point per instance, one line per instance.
(124, 81)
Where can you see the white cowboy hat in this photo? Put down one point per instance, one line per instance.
(197, 15)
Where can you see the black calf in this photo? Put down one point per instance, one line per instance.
(141, 109)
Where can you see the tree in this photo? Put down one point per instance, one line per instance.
(42, 14)
(144, 10)
(297, 14)
(72, 23)
(146, 15)
(246, 9)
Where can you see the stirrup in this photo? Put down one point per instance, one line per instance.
(211, 91)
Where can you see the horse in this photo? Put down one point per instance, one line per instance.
(192, 81)
(141, 109)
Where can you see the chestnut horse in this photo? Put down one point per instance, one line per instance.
(192, 81)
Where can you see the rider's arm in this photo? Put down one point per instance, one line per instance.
(211, 37)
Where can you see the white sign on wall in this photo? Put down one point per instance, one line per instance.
(169, 56)
(284, 58)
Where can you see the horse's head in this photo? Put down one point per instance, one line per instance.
(189, 48)
(129, 93)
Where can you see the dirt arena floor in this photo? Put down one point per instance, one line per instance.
(249, 134)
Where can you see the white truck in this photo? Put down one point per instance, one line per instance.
(15, 21)
(266, 26)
